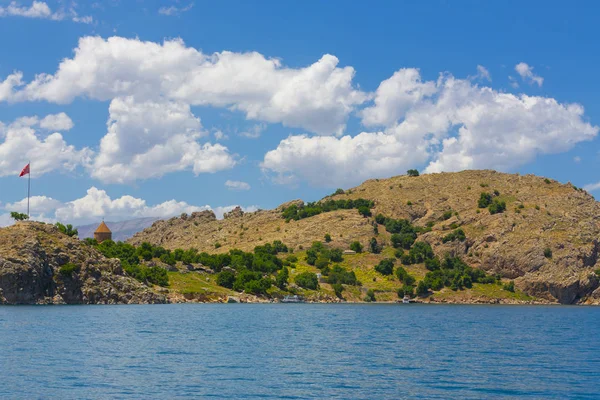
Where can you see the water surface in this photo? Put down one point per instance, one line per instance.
(299, 351)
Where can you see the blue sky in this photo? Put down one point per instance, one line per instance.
(155, 105)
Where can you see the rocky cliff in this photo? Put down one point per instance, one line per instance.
(40, 265)
(546, 239)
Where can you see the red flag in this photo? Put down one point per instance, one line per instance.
(25, 171)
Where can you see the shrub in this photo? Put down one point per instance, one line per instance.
(409, 203)
(336, 255)
(67, 269)
(340, 275)
(458, 234)
(356, 246)
(370, 296)
(510, 286)
(19, 216)
(547, 180)
(374, 246)
(406, 259)
(405, 277)
(339, 191)
(364, 211)
(297, 212)
(217, 245)
(322, 262)
(307, 280)
(408, 290)
(420, 252)
(485, 199)
(311, 256)
(497, 207)
(226, 279)
(385, 267)
(380, 219)
(422, 289)
(327, 238)
(447, 215)
(67, 230)
(398, 253)
(281, 281)
(338, 289)
(548, 252)
(432, 264)
(292, 259)
(412, 172)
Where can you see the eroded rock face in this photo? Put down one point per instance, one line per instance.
(235, 213)
(31, 257)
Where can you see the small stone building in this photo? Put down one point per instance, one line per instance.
(102, 233)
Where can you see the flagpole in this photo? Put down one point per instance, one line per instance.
(28, 188)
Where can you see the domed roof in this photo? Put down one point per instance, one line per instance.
(102, 228)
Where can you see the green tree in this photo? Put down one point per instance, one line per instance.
(385, 267)
(338, 289)
(497, 207)
(226, 279)
(485, 199)
(374, 246)
(307, 280)
(370, 296)
(67, 230)
(19, 216)
(412, 172)
(422, 289)
(356, 246)
(548, 252)
(364, 211)
(327, 238)
(510, 286)
(281, 281)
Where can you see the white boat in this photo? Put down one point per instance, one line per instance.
(405, 300)
(292, 299)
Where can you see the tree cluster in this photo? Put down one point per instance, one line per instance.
(298, 212)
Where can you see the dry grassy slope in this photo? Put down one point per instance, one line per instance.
(555, 216)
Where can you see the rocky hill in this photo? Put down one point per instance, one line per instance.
(546, 239)
(40, 265)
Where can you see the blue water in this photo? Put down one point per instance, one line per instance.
(299, 351)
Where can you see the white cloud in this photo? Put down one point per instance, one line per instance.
(20, 143)
(483, 73)
(173, 10)
(577, 159)
(591, 187)
(526, 72)
(153, 138)
(237, 185)
(254, 132)
(318, 97)
(97, 204)
(395, 96)
(461, 126)
(513, 82)
(41, 10)
(57, 122)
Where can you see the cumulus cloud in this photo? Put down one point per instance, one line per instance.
(483, 73)
(526, 72)
(41, 10)
(254, 132)
(57, 122)
(97, 204)
(457, 125)
(592, 187)
(173, 10)
(152, 138)
(237, 185)
(318, 97)
(21, 143)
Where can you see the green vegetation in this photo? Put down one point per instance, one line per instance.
(405, 277)
(364, 211)
(447, 215)
(295, 212)
(494, 205)
(370, 296)
(19, 216)
(67, 230)
(226, 279)
(458, 234)
(374, 247)
(385, 266)
(547, 180)
(338, 275)
(356, 246)
(548, 252)
(412, 172)
(281, 281)
(67, 269)
(456, 274)
(510, 286)
(497, 207)
(327, 238)
(485, 199)
(307, 280)
(339, 191)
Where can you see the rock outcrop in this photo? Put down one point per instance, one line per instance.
(40, 265)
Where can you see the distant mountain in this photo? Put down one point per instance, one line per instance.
(121, 230)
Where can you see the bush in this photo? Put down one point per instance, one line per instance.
(406, 259)
(497, 207)
(67, 269)
(298, 212)
(356, 246)
(485, 199)
(432, 264)
(307, 280)
(338, 289)
(322, 262)
(458, 234)
(380, 219)
(385, 267)
(311, 256)
(547, 180)
(422, 289)
(370, 296)
(405, 277)
(420, 252)
(407, 290)
(339, 191)
(548, 252)
(447, 215)
(338, 274)
(67, 230)
(281, 281)
(336, 255)
(19, 216)
(398, 253)
(412, 172)
(510, 286)
(364, 211)
(374, 246)
(327, 238)
(226, 279)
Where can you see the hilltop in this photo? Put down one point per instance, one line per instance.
(121, 230)
(545, 237)
(40, 265)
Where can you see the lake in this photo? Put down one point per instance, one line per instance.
(299, 351)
